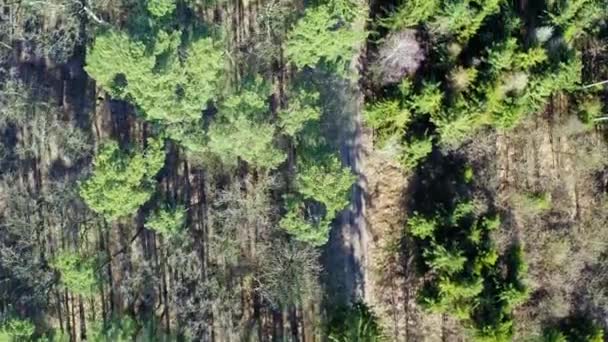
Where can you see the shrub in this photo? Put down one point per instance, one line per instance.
(415, 151)
(17, 330)
(356, 323)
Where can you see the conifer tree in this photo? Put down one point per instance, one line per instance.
(122, 181)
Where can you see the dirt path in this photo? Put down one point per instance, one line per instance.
(346, 253)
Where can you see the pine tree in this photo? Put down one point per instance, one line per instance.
(78, 273)
(322, 189)
(320, 37)
(154, 78)
(122, 181)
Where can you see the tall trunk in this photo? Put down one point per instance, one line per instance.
(293, 321)
(165, 292)
(68, 322)
(73, 312)
(59, 315)
(110, 279)
(83, 325)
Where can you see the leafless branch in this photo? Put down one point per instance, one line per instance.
(594, 84)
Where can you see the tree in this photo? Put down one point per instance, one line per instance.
(289, 274)
(466, 273)
(389, 118)
(411, 13)
(576, 328)
(242, 129)
(415, 151)
(154, 77)
(122, 181)
(78, 273)
(303, 108)
(322, 38)
(43, 29)
(322, 189)
(167, 221)
(161, 8)
(575, 17)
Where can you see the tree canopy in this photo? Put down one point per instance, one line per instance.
(122, 181)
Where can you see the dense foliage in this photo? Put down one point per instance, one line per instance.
(342, 170)
(123, 181)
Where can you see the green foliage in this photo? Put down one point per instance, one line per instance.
(468, 174)
(305, 223)
(241, 130)
(575, 17)
(242, 138)
(428, 101)
(590, 108)
(161, 8)
(388, 118)
(574, 329)
(497, 83)
(16, 330)
(164, 86)
(421, 227)
(444, 261)
(415, 151)
(322, 190)
(122, 181)
(457, 125)
(328, 183)
(533, 203)
(465, 273)
(119, 329)
(303, 108)
(345, 10)
(356, 323)
(78, 273)
(554, 335)
(463, 19)
(411, 13)
(321, 37)
(167, 221)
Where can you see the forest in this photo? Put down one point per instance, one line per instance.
(320, 170)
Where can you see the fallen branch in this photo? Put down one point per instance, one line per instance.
(93, 15)
(594, 84)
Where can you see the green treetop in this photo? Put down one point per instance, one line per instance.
(322, 37)
(322, 190)
(77, 272)
(167, 221)
(122, 181)
(161, 8)
(242, 129)
(154, 77)
(302, 109)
